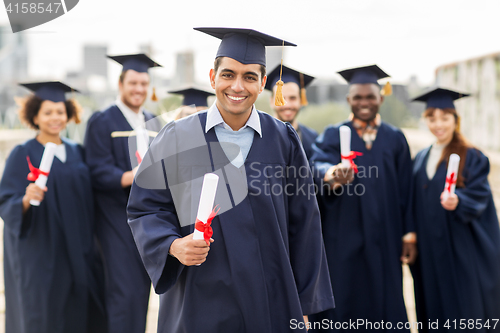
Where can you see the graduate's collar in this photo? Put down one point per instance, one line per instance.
(214, 118)
(360, 124)
(135, 120)
(124, 108)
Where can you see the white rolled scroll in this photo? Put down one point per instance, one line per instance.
(451, 175)
(345, 144)
(142, 143)
(207, 198)
(45, 165)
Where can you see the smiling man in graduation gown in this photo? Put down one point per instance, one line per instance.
(363, 214)
(266, 268)
(294, 94)
(108, 154)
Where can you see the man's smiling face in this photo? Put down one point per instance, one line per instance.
(236, 85)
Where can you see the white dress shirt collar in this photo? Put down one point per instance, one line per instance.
(214, 118)
(135, 120)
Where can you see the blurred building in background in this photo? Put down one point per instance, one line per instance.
(93, 76)
(95, 61)
(480, 112)
(184, 69)
(13, 56)
(13, 69)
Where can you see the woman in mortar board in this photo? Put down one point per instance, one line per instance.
(50, 266)
(457, 272)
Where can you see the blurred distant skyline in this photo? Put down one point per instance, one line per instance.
(404, 38)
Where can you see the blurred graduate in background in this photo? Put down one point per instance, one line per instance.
(457, 272)
(113, 151)
(52, 281)
(294, 94)
(366, 231)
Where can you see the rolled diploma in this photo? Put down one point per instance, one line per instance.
(207, 198)
(453, 163)
(142, 142)
(345, 144)
(45, 165)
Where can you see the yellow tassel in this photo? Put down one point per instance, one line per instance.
(279, 100)
(303, 97)
(457, 128)
(386, 90)
(153, 96)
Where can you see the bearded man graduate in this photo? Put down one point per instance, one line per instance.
(111, 159)
(267, 267)
(366, 230)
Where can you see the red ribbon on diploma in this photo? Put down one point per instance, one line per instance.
(206, 228)
(138, 156)
(352, 155)
(34, 172)
(451, 180)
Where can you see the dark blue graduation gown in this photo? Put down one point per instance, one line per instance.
(457, 273)
(267, 265)
(127, 283)
(307, 136)
(363, 226)
(49, 257)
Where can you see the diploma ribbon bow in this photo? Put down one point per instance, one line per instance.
(206, 228)
(352, 155)
(450, 181)
(34, 172)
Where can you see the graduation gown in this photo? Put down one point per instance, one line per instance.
(457, 272)
(267, 266)
(107, 154)
(363, 224)
(307, 136)
(49, 257)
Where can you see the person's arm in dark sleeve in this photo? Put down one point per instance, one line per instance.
(12, 190)
(105, 173)
(324, 156)
(307, 254)
(152, 216)
(474, 197)
(404, 169)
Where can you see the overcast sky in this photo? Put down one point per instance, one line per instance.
(404, 37)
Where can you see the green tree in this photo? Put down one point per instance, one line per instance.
(319, 116)
(395, 112)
